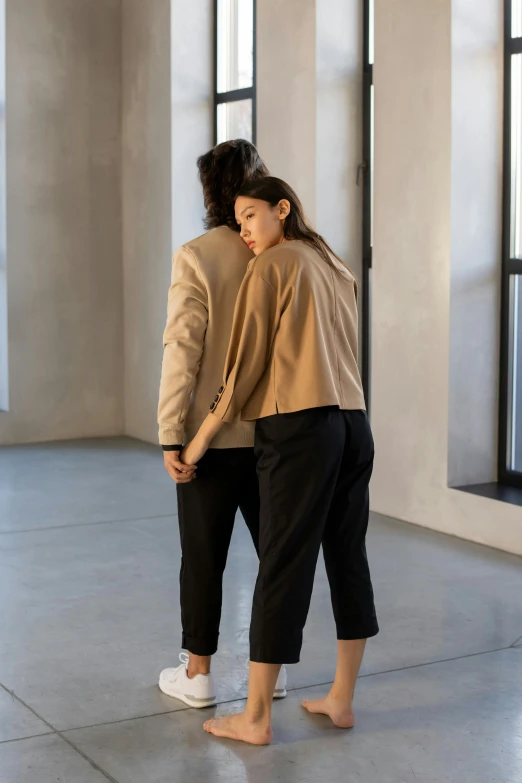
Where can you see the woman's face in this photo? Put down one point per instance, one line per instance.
(261, 224)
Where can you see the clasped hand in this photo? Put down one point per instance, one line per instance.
(182, 466)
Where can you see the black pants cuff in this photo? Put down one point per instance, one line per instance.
(199, 646)
(268, 655)
(352, 633)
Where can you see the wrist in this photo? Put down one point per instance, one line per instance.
(204, 439)
(210, 428)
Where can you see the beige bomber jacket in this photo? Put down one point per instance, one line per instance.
(206, 276)
(294, 338)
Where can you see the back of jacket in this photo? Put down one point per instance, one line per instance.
(294, 337)
(206, 276)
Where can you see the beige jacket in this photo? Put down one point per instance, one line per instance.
(206, 276)
(294, 338)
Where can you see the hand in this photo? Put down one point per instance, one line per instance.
(194, 451)
(181, 473)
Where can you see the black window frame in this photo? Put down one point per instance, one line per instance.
(236, 95)
(365, 170)
(510, 266)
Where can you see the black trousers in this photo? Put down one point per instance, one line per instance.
(314, 467)
(226, 481)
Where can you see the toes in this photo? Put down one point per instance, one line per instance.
(218, 730)
(212, 725)
(314, 706)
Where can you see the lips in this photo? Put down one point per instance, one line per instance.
(251, 244)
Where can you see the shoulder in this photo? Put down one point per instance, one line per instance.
(287, 254)
(296, 259)
(283, 264)
(221, 242)
(219, 238)
(291, 249)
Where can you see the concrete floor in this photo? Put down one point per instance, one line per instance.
(89, 557)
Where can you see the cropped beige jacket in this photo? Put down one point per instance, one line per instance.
(293, 343)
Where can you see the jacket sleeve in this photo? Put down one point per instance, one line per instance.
(256, 320)
(183, 341)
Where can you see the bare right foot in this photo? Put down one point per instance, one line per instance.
(339, 712)
(239, 727)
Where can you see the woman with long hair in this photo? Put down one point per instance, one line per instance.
(292, 368)
(206, 275)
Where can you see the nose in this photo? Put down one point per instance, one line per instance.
(244, 232)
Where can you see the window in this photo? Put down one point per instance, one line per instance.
(4, 396)
(366, 174)
(235, 67)
(510, 424)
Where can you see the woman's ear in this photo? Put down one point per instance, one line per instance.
(284, 208)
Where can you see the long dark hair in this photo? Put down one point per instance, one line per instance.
(222, 171)
(296, 225)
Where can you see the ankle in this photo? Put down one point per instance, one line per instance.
(198, 664)
(258, 714)
(342, 695)
(193, 671)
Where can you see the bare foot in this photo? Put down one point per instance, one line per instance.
(240, 727)
(338, 711)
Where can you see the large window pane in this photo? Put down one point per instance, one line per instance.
(372, 156)
(4, 395)
(367, 194)
(514, 456)
(371, 38)
(235, 42)
(516, 157)
(510, 446)
(234, 121)
(516, 18)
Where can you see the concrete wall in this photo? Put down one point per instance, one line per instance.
(339, 126)
(166, 101)
(476, 239)
(63, 220)
(146, 204)
(286, 93)
(192, 80)
(309, 123)
(412, 280)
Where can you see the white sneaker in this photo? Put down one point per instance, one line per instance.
(280, 686)
(196, 692)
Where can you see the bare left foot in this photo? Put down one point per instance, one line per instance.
(240, 727)
(339, 712)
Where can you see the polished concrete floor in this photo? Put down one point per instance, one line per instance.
(89, 556)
